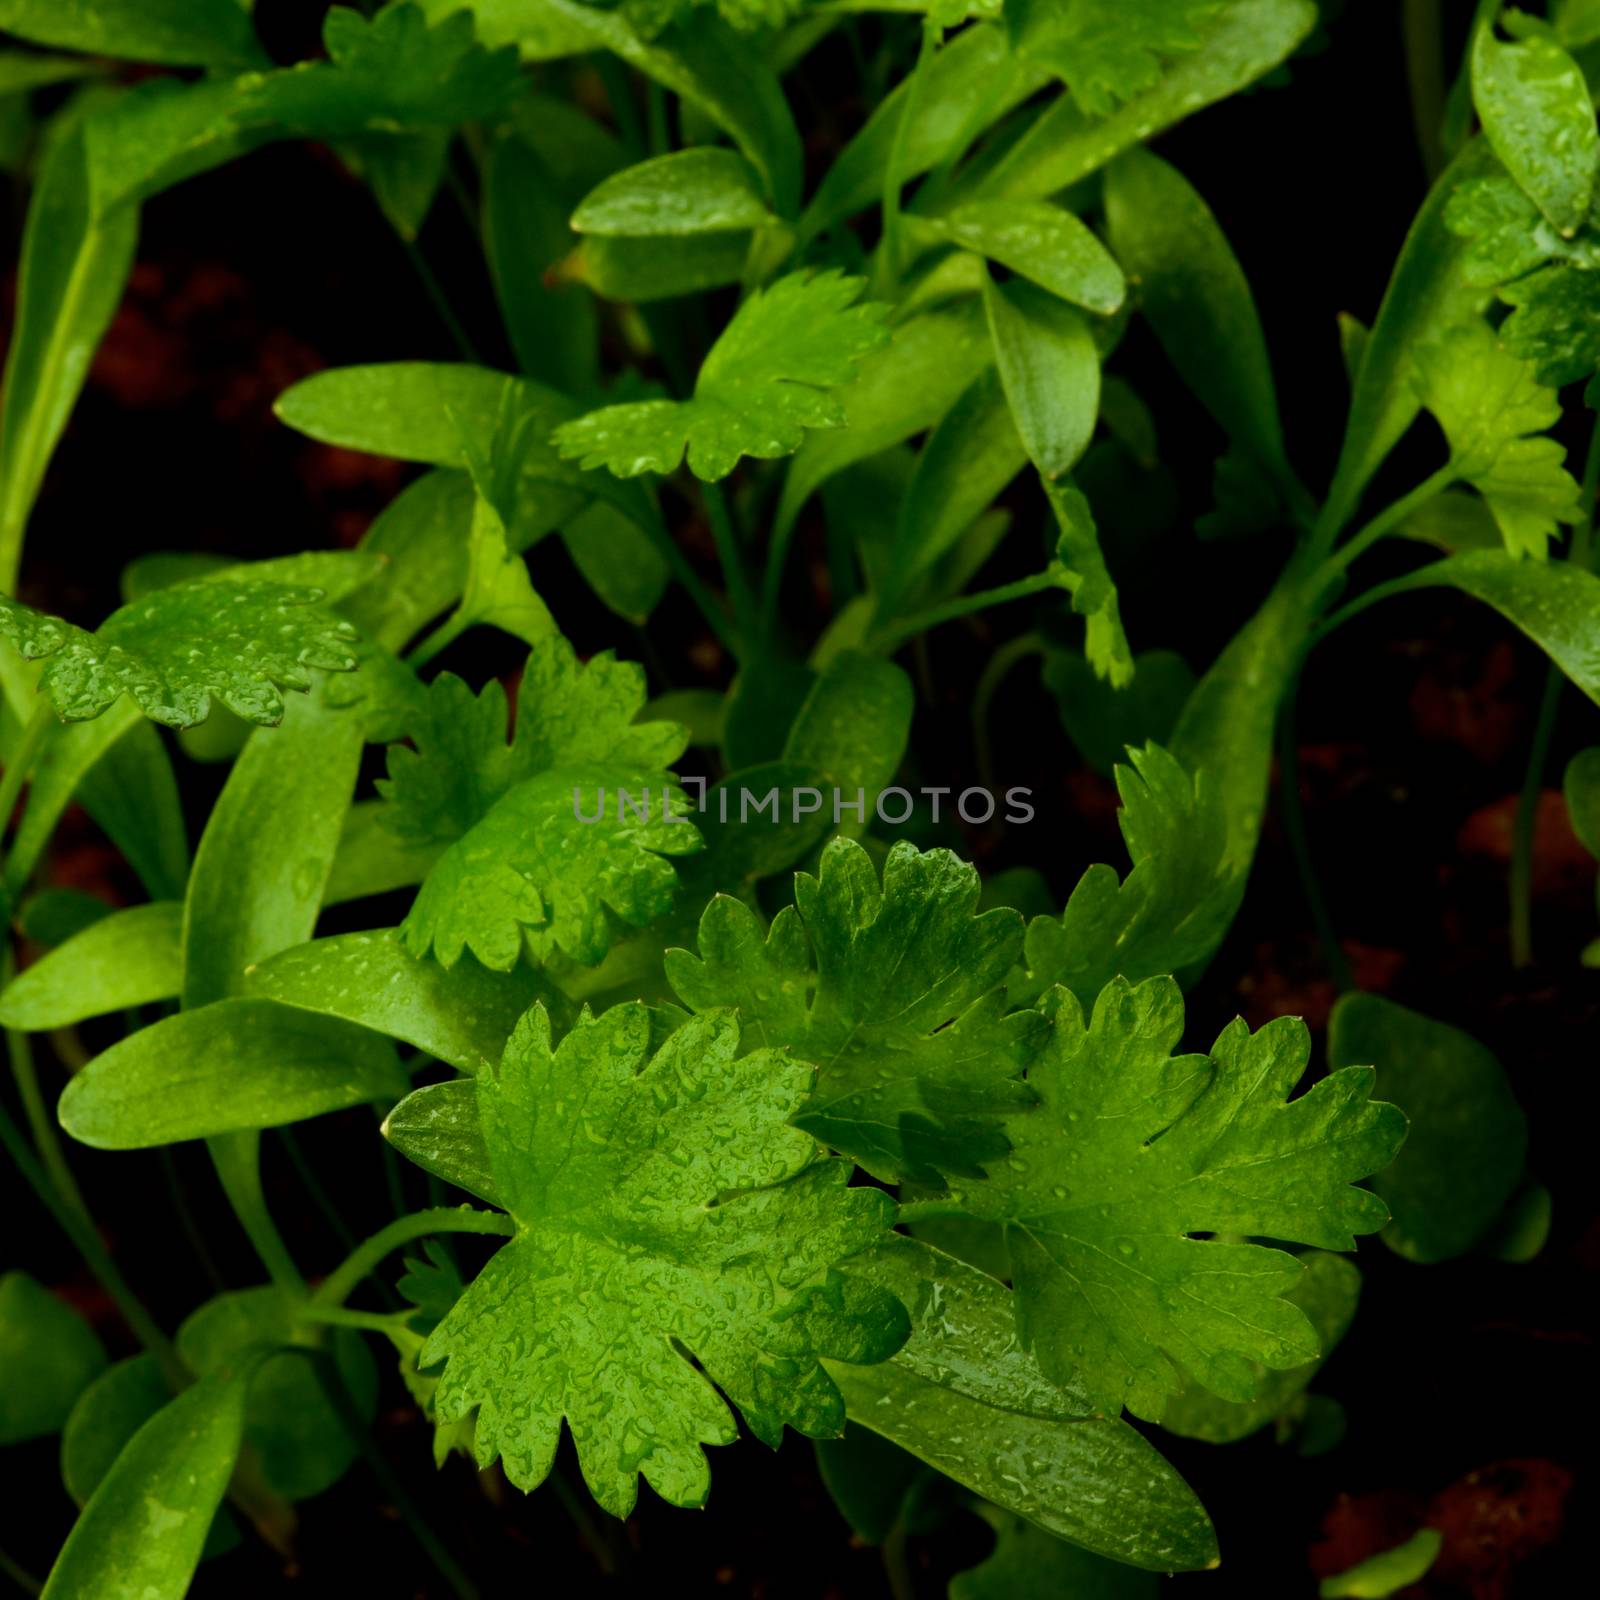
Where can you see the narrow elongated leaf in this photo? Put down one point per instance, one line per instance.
(131, 958)
(1051, 372)
(853, 728)
(1539, 116)
(173, 33)
(74, 268)
(1193, 291)
(143, 1529)
(228, 1067)
(1469, 1137)
(462, 1015)
(1246, 40)
(1557, 604)
(1045, 244)
(705, 190)
(49, 1355)
(966, 1398)
(1388, 1572)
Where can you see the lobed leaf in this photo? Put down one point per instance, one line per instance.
(892, 991)
(700, 1227)
(1131, 1152)
(764, 384)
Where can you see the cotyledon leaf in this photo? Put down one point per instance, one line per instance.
(893, 991)
(130, 958)
(964, 1396)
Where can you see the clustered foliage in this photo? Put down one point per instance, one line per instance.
(769, 1119)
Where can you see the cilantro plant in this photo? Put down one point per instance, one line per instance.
(742, 1100)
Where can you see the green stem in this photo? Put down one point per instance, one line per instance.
(384, 1322)
(729, 636)
(41, 1125)
(993, 675)
(22, 759)
(1386, 521)
(734, 578)
(440, 301)
(337, 1287)
(1522, 832)
(1294, 827)
(1425, 76)
(87, 1242)
(19, 1575)
(894, 176)
(891, 639)
(589, 1531)
(436, 642)
(925, 1210)
(237, 1158)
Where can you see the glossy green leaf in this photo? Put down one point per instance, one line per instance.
(892, 992)
(463, 1014)
(1469, 1138)
(1105, 723)
(853, 728)
(1085, 574)
(267, 850)
(173, 33)
(301, 1439)
(74, 267)
(1538, 115)
(131, 958)
(1043, 243)
(623, 567)
(1494, 412)
(142, 1532)
(964, 1396)
(239, 640)
(1131, 1152)
(702, 190)
(1327, 1292)
(228, 1067)
(704, 1226)
(1171, 910)
(1051, 373)
(1193, 292)
(49, 1354)
(1556, 603)
(1026, 1560)
(766, 381)
(1246, 40)
(1387, 1573)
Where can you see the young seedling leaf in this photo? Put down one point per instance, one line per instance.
(1107, 51)
(1043, 243)
(703, 190)
(49, 1354)
(1094, 595)
(1539, 116)
(1492, 407)
(128, 959)
(892, 991)
(1131, 1152)
(239, 639)
(1171, 910)
(172, 33)
(700, 1227)
(767, 380)
(1469, 1138)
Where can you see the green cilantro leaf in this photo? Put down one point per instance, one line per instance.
(892, 992)
(542, 847)
(1094, 593)
(666, 1216)
(1556, 324)
(1171, 910)
(1131, 1152)
(765, 382)
(237, 638)
(1107, 51)
(1489, 402)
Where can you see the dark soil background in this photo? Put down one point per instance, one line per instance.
(1469, 1387)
